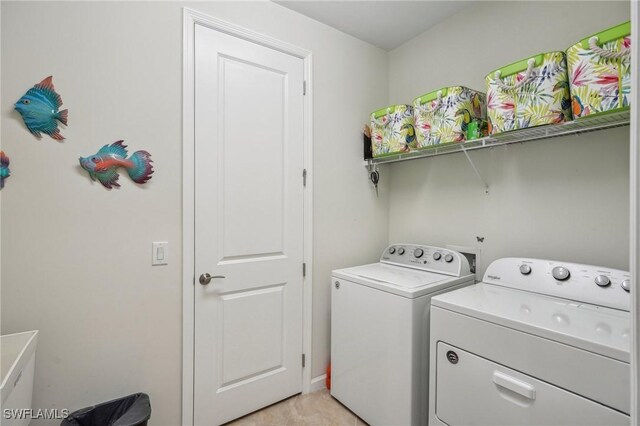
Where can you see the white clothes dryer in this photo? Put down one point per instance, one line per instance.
(538, 342)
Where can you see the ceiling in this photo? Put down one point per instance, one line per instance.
(383, 23)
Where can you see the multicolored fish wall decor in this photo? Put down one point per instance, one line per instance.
(4, 168)
(39, 108)
(104, 164)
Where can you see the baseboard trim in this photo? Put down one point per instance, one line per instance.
(318, 383)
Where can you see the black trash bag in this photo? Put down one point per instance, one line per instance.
(132, 410)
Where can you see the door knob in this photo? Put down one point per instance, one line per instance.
(206, 278)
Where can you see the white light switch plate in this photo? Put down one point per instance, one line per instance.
(160, 253)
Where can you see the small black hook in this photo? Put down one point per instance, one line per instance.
(375, 177)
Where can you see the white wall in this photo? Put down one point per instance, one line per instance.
(76, 257)
(564, 198)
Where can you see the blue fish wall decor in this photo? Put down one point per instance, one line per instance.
(39, 108)
(4, 168)
(103, 165)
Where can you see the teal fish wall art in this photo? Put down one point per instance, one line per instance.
(40, 109)
(103, 165)
(4, 168)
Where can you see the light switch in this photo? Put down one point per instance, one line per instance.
(160, 253)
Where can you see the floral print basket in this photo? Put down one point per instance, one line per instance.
(442, 116)
(392, 130)
(600, 72)
(531, 92)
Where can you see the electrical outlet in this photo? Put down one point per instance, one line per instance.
(471, 253)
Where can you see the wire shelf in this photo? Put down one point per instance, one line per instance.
(583, 125)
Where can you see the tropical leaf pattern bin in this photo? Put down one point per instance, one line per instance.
(442, 116)
(600, 72)
(527, 93)
(392, 130)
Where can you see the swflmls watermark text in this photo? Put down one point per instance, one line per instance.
(30, 413)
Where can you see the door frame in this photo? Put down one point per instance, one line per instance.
(191, 18)
(634, 216)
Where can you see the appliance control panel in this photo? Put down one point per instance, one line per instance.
(595, 285)
(427, 258)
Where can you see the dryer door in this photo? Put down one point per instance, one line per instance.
(471, 390)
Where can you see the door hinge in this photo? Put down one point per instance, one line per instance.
(304, 360)
(304, 87)
(304, 269)
(304, 177)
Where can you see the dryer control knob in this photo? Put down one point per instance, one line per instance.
(560, 273)
(626, 285)
(602, 280)
(400, 251)
(418, 253)
(392, 250)
(525, 269)
(448, 258)
(436, 256)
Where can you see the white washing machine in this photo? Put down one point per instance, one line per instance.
(538, 342)
(380, 330)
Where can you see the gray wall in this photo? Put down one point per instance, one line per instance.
(564, 198)
(76, 258)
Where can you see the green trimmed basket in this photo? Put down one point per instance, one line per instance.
(600, 72)
(531, 92)
(442, 116)
(392, 130)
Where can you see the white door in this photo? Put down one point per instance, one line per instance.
(248, 226)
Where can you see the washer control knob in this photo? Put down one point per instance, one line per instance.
(392, 250)
(448, 258)
(602, 280)
(400, 251)
(626, 285)
(436, 256)
(560, 273)
(525, 269)
(418, 253)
